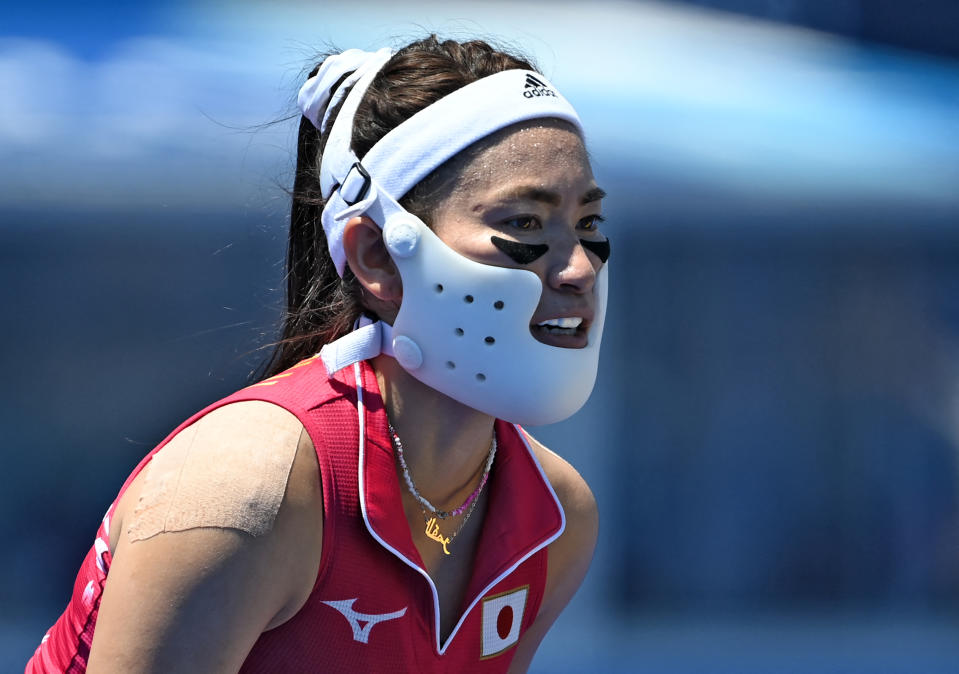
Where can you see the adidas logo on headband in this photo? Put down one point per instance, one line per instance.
(536, 87)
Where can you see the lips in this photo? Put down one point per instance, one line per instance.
(570, 331)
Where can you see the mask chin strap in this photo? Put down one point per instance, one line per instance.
(362, 195)
(369, 339)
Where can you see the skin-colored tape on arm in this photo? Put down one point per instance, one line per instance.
(227, 470)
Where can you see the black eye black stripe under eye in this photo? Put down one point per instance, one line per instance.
(522, 253)
(599, 248)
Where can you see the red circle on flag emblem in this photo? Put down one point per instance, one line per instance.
(504, 621)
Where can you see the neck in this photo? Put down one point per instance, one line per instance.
(445, 443)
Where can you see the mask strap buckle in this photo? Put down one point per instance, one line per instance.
(356, 184)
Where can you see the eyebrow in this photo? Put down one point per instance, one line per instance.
(547, 196)
(594, 194)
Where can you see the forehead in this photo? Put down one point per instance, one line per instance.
(548, 152)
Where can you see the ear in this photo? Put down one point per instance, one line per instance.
(370, 261)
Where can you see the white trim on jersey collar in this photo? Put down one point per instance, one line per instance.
(362, 486)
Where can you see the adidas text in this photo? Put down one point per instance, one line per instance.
(541, 91)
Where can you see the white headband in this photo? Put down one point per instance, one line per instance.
(411, 151)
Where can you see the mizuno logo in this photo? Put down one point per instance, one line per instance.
(536, 87)
(362, 623)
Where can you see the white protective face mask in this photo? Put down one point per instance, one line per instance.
(464, 330)
(463, 326)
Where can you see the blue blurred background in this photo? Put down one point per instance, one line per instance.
(773, 438)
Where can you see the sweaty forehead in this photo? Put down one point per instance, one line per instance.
(548, 150)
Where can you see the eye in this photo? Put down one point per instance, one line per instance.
(524, 222)
(591, 222)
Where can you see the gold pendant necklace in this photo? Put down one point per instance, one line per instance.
(433, 527)
(433, 532)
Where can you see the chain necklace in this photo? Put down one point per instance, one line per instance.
(469, 505)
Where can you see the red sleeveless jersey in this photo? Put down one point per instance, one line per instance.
(373, 606)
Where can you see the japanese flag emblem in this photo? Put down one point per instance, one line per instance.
(502, 617)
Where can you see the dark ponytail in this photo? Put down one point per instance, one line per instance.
(321, 306)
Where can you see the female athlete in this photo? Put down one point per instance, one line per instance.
(372, 505)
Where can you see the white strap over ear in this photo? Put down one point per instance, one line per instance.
(317, 95)
(338, 157)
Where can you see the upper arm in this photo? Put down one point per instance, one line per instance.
(569, 555)
(196, 598)
(182, 601)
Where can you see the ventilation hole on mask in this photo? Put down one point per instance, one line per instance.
(498, 304)
(450, 365)
(489, 340)
(438, 287)
(459, 332)
(481, 377)
(468, 299)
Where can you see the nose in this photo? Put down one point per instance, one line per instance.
(570, 269)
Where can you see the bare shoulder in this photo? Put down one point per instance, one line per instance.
(248, 468)
(232, 468)
(569, 555)
(219, 509)
(579, 504)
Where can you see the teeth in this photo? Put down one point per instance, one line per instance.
(562, 322)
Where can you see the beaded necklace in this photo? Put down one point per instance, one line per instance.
(432, 526)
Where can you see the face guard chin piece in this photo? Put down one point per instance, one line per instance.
(463, 329)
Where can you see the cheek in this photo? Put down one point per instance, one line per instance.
(469, 240)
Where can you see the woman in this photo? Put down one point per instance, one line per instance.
(368, 507)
